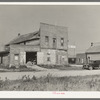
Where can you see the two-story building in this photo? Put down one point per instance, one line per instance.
(46, 46)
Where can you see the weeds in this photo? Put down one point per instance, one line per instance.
(61, 67)
(50, 83)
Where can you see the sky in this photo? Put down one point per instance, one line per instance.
(83, 22)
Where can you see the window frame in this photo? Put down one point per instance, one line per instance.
(16, 56)
(48, 59)
(62, 41)
(47, 39)
(54, 43)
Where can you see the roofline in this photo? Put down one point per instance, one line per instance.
(30, 33)
(22, 41)
(53, 25)
(80, 53)
(92, 52)
(25, 40)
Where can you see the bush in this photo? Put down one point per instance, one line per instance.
(29, 63)
(4, 66)
(54, 66)
(47, 66)
(22, 66)
(13, 67)
(33, 78)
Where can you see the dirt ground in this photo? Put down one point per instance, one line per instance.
(51, 80)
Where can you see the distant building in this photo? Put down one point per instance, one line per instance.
(46, 46)
(93, 53)
(71, 54)
(81, 58)
(72, 59)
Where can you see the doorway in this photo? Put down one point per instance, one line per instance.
(32, 57)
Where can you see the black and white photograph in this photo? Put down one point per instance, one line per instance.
(50, 48)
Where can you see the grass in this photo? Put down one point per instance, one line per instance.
(18, 70)
(68, 68)
(22, 68)
(61, 67)
(49, 83)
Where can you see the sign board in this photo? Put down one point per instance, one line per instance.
(72, 46)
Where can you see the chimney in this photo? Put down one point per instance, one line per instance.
(91, 43)
(18, 34)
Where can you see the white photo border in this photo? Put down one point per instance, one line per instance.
(49, 94)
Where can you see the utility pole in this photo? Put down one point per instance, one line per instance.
(74, 49)
(67, 45)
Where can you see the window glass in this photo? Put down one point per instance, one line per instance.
(62, 41)
(48, 58)
(16, 56)
(54, 42)
(46, 38)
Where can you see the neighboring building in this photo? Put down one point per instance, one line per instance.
(93, 53)
(71, 59)
(81, 58)
(71, 54)
(46, 46)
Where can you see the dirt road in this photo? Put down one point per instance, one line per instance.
(55, 73)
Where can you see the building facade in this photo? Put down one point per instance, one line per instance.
(80, 58)
(93, 53)
(46, 46)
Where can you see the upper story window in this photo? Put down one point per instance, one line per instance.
(54, 42)
(62, 41)
(48, 59)
(47, 40)
(24, 43)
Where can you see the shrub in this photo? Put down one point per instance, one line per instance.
(26, 78)
(22, 66)
(29, 63)
(4, 66)
(13, 67)
(47, 66)
(33, 78)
